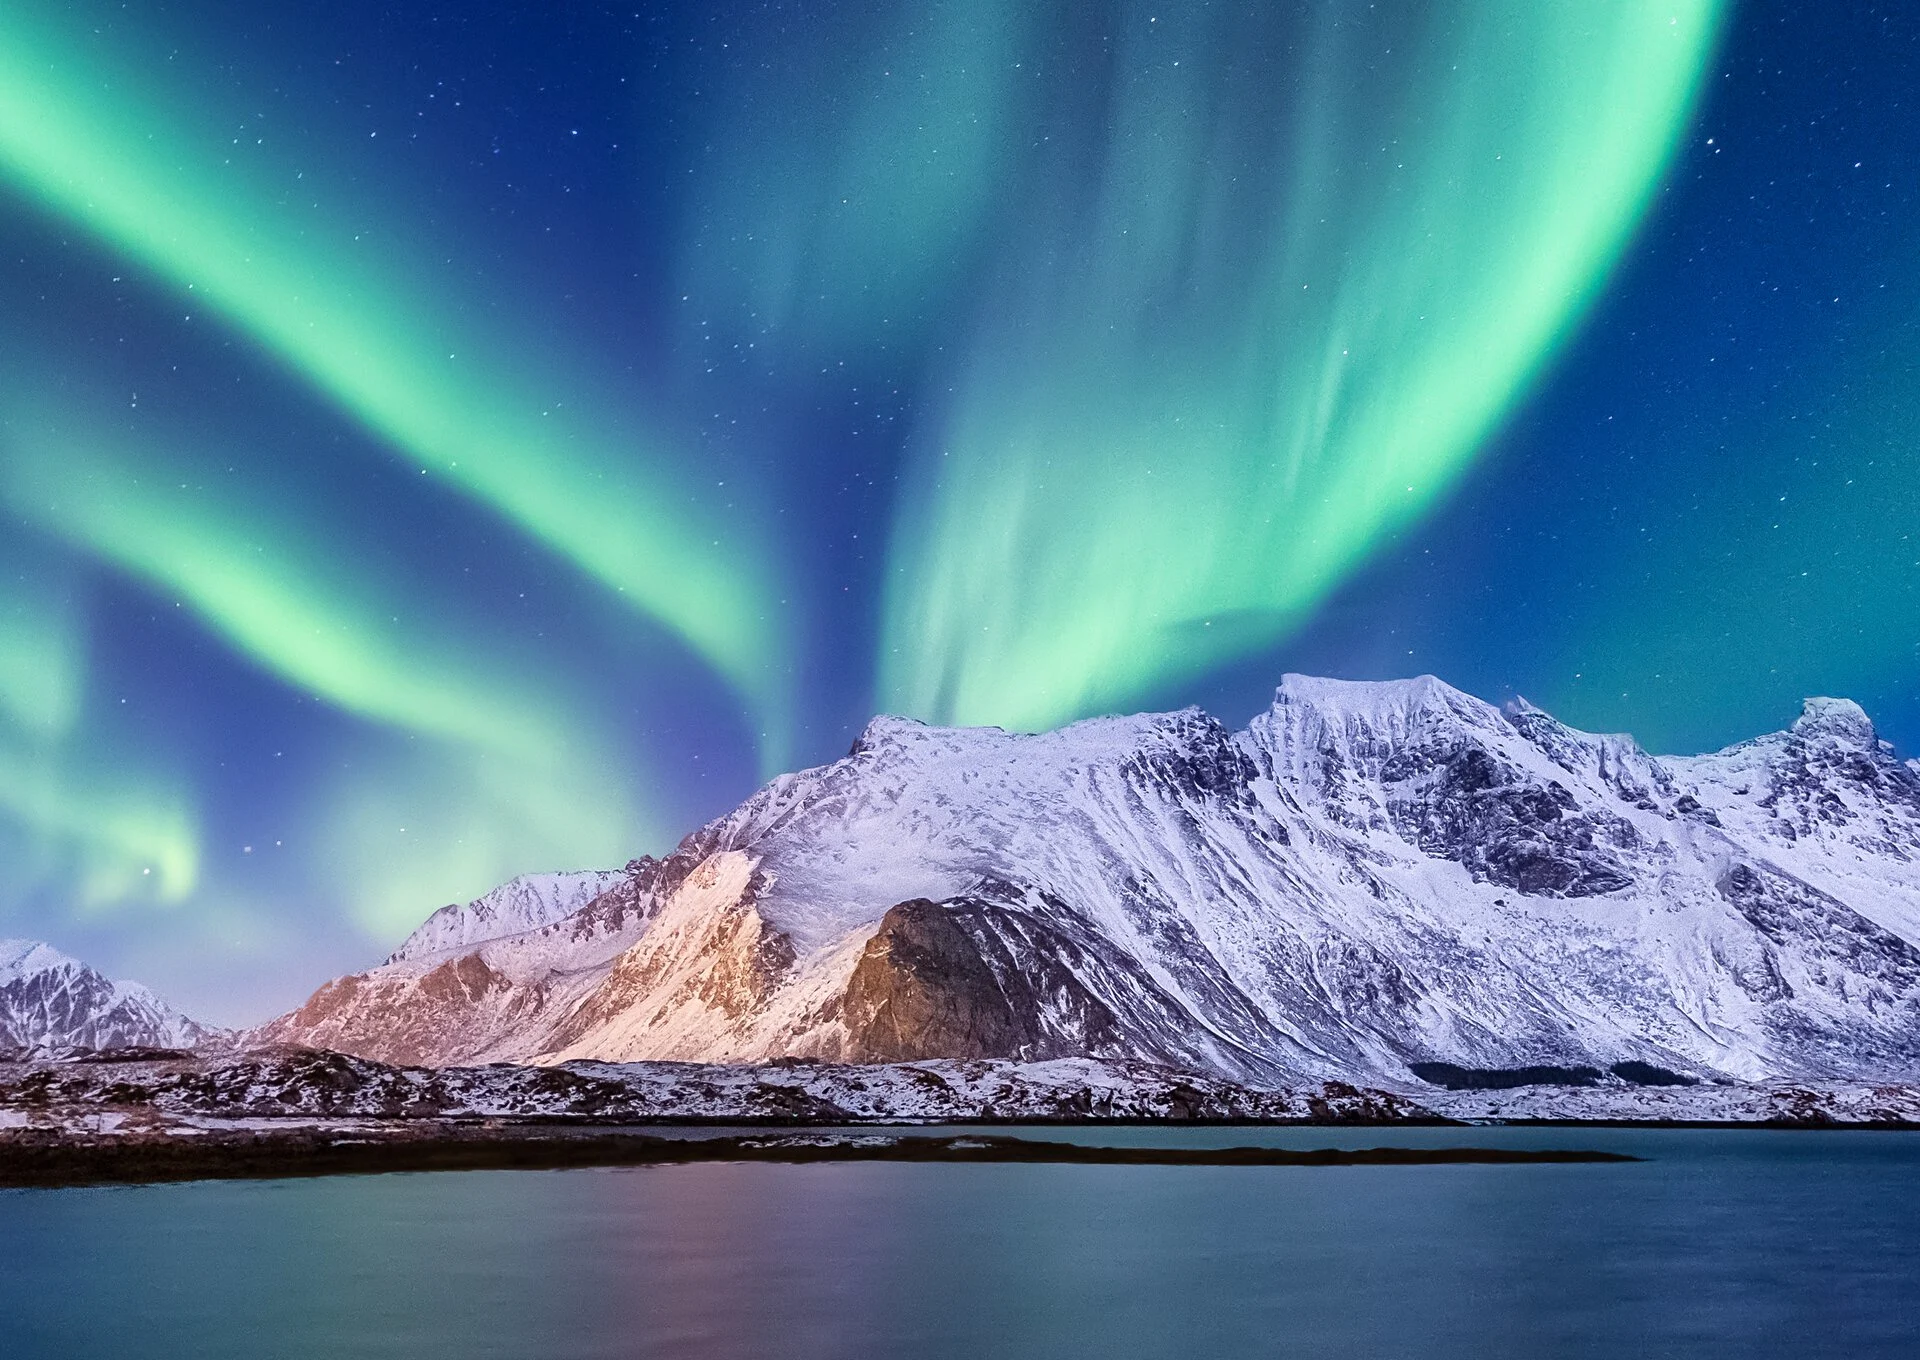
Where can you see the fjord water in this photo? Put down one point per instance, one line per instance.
(1722, 1243)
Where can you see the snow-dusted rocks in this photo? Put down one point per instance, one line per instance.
(53, 1005)
(518, 905)
(307, 1086)
(1371, 876)
(1827, 801)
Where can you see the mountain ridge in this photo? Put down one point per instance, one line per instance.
(51, 1004)
(1368, 876)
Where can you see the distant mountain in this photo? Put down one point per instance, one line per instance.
(54, 1005)
(1371, 882)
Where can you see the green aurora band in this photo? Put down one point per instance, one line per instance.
(519, 778)
(238, 232)
(102, 838)
(42, 652)
(261, 579)
(101, 833)
(1257, 324)
(839, 216)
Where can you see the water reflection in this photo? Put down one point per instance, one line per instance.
(1724, 1244)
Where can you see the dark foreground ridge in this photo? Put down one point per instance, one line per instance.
(37, 1158)
(1455, 1078)
(146, 1093)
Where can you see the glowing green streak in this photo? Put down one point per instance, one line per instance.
(838, 212)
(310, 609)
(107, 836)
(303, 607)
(105, 839)
(42, 655)
(516, 784)
(1257, 334)
(507, 430)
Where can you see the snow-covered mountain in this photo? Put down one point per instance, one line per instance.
(1373, 881)
(52, 1004)
(518, 905)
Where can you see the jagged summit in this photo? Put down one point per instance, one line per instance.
(887, 729)
(1383, 705)
(1840, 719)
(520, 904)
(21, 957)
(50, 1003)
(1371, 877)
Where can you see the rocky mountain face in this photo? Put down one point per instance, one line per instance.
(1370, 881)
(53, 1005)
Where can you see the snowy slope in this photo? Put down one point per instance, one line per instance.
(521, 904)
(1826, 800)
(50, 1003)
(1369, 878)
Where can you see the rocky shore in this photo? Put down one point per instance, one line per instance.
(144, 1115)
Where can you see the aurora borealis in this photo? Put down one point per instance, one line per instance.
(1290, 312)
(440, 443)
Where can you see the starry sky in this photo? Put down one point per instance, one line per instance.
(442, 442)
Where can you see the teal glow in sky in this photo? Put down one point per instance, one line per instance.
(529, 773)
(362, 314)
(1261, 318)
(99, 829)
(444, 442)
(835, 229)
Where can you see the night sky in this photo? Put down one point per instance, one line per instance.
(443, 442)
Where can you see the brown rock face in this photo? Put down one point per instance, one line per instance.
(446, 1014)
(462, 981)
(922, 989)
(973, 978)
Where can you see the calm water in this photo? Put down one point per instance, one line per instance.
(1724, 1244)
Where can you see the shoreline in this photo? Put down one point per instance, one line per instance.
(30, 1159)
(777, 1123)
(162, 1099)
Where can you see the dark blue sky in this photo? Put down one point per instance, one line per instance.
(445, 442)
(1615, 554)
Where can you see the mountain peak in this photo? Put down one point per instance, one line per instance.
(1520, 706)
(1841, 719)
(1374, 874)
(1416, 693)
(884, 729)
(1386, 708)
(53, 1003)
(19, 958)
(520, 904)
